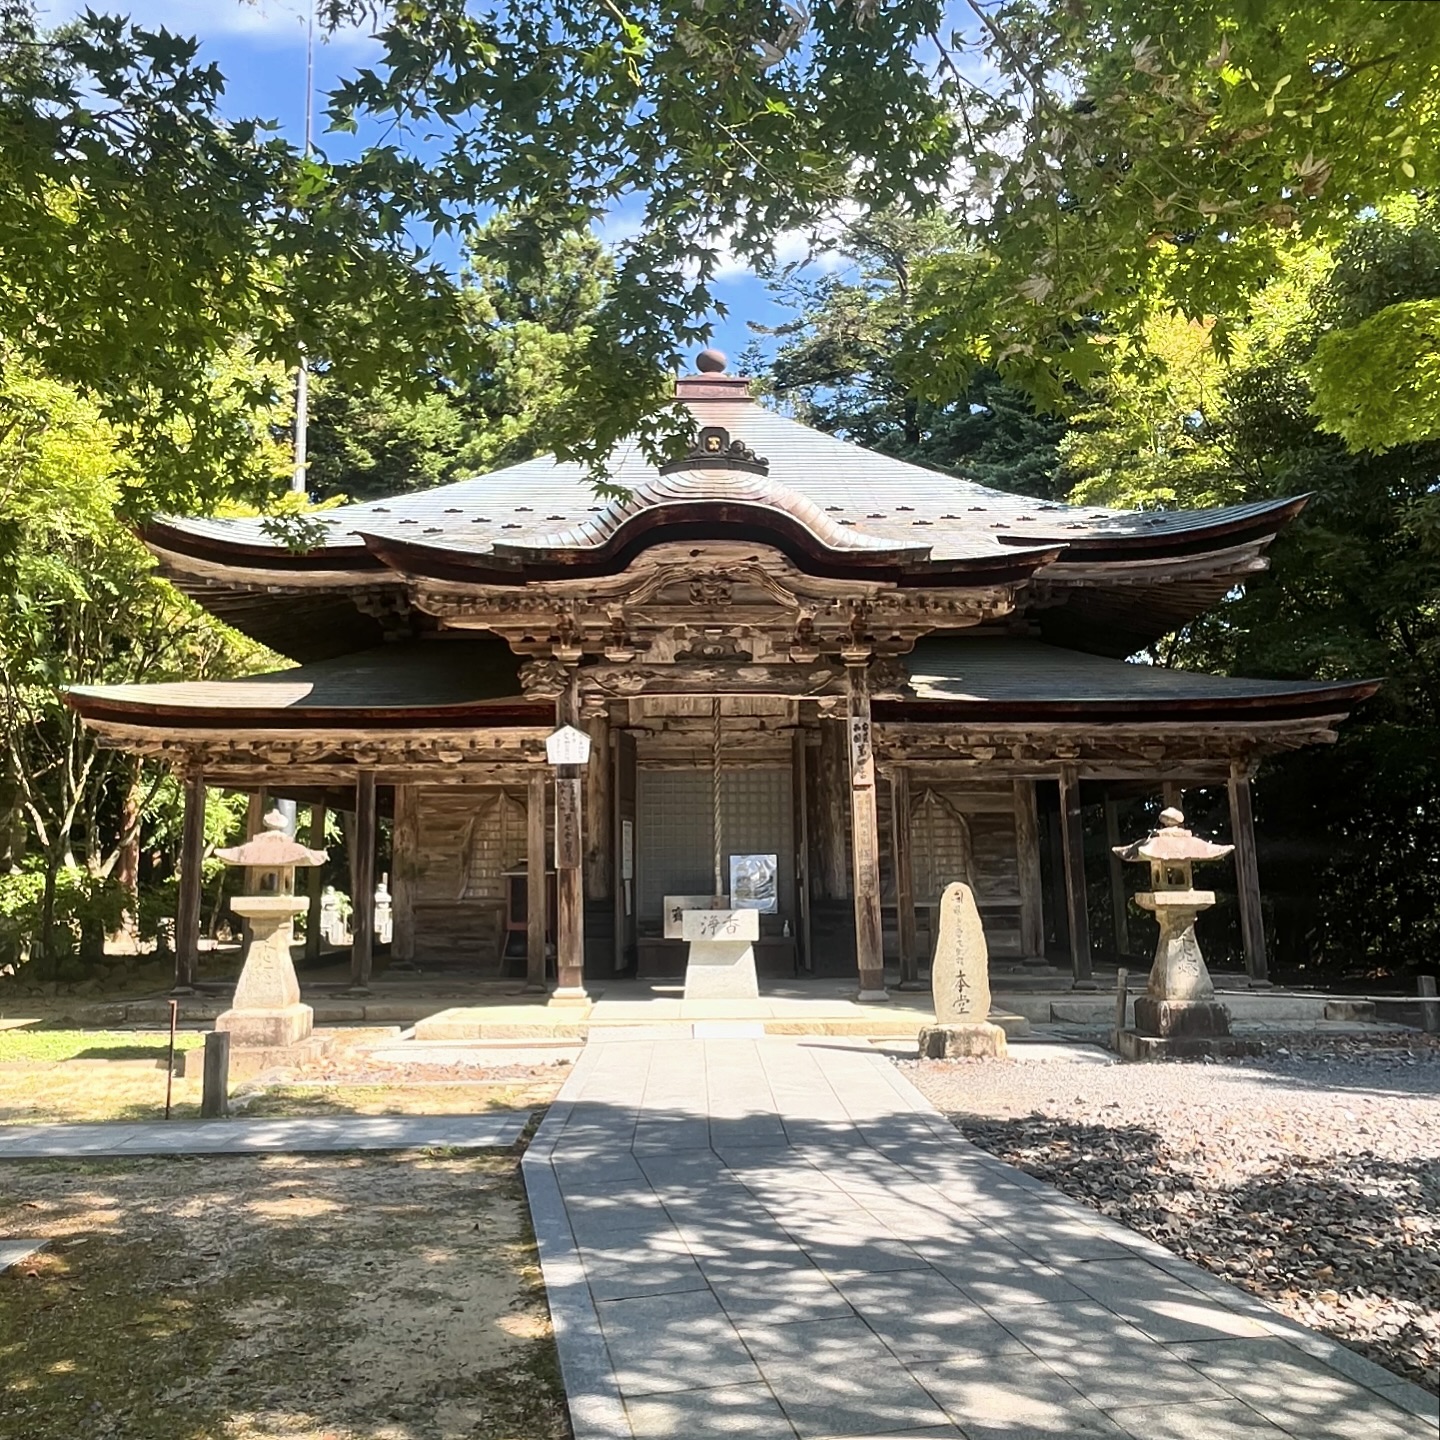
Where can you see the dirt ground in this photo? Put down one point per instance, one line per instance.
(331, 1297)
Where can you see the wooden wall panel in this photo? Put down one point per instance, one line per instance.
(958, 828)
(459, 841)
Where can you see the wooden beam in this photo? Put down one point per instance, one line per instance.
(865, 840)
(1072, 832)
(904, 876)
(192, 855)
(1118, 902)
(537, 904)
(362, 867)
(1247, 877)
(1027, 863)
(314, 884)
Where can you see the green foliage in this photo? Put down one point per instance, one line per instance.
(143, 237)
(1134, 155)
(85, 905)
(848, 364)
(532, 310)
(1348, 835)
(707, 127)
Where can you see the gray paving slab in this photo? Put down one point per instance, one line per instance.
(241, 1137)
(16, 1252)
(782, 1238)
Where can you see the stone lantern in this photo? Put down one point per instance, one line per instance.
(266, 1011)
(1178, 1014)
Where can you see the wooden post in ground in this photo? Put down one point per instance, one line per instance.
(536, 901)
(215, 1076)
(1122, 1000)
(1429, 1005)
(314, 885)
(362, 914)
(1117, 879)
(1247, 876)
(1072, 832)
(1027, 864)
(1172, 795)
(187, 907)
(904, 878)
(865, 838)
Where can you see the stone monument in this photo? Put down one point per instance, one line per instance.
(721, 963)
(266, 1013)
(960, 982)
(1178, 1016)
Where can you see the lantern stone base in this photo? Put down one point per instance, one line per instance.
(966, 1039)
(270, 1028)
(1134, 1046)
(247, 1061)
(1180, 1018)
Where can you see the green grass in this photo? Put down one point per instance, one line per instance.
(39, 1043)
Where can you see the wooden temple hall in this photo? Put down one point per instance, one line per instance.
(819, 676)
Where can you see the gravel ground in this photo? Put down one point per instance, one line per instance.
(1309, 1176)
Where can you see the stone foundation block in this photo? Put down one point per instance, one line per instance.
(1180, 1018)
(267, 1028)
(1133, 1046)
(965, 1039)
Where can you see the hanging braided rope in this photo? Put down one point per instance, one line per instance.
(715, 793)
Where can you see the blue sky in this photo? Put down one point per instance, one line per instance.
(260, 49)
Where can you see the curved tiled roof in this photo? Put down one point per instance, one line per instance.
(854, 500)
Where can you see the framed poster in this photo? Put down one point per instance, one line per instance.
(755, 882)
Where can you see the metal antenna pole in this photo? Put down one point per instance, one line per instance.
(299, 479)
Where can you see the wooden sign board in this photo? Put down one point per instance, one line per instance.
(567, 746)
(567, 824)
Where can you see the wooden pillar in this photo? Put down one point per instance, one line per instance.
(1027, 863)
(599, 857)
(1247, 876)
(314, 884)
(1172, 795)
(1118, 901)
(536, 901)
(904, 877)
(802, 848)
(362, 867)
(404, 871)
(192, 855)
(865, 839)
(831, 801)
(1072, 833)
(569, 868)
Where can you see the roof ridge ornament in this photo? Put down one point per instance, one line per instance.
(715, 450)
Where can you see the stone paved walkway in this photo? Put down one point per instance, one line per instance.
(244, 1137)
(778, 1238)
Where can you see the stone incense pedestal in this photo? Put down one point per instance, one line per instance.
(267, 1010)
(267, 1023)
(1178, 1016)
(960, 981)
(721, 962)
